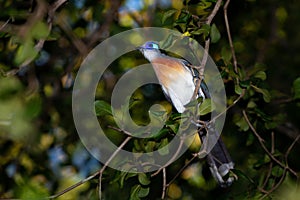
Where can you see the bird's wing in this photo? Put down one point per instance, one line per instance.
(203, 90)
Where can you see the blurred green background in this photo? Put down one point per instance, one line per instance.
(43, 44)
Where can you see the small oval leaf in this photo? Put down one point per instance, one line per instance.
(167, 15)
(296, 87)
(205, 107)
(143, 179)
(214, 34)
(102, 108)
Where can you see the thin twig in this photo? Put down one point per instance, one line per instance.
(291, 147)
(201, 69)
(229, 36)
(56, 5)
(181, 170)
(73, 186)
(206, 50)
(230, 106)
(41, 10)
(100, 172)
(4, 24)
(214, 12)
(103, 31)
(77, 42)
(261, 141)
(164, 184)
(120, 130)
(285, 168)
(277, 185)
(109, 160)
(174, 157)
(271, 163)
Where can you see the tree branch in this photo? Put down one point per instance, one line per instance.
(100, 172)
(261, 141)
(229, 36)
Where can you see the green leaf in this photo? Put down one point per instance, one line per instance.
(226, 54)
(251, 104)
(214, 34)
(257, 67)
(238, 90)
(271, 125)
(134, 192)
(266, 94)
(163, 148)
(184, 17)
(168, 42)
(26, 52)
(262, 114)
(122, 177)
(10, 86)
(138, 192)
(168, 14)
(261, 75)
(242, 124)
(173, 127)
(40, 30)
(34, 106)
(137, 145)
(205, 107)
(143, 192)
(204, 5)
(143, 179)
(250, 140)
(205, 30)
(102, 108)
(277, 171)
(245, 83)
(150, 146)
(296, 87)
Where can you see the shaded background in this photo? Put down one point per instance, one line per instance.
(42, 45)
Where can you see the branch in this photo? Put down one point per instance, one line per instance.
(201, 69)
(73, 186)
(109, 160)
(261, 141)
(181, 169)
(100, 172)
(77, 42)
(172, 159)
(270, 165)
(206, 50)
(103, 31)
(41, 10)
(5, 27)
(164, 184)
(230, 106)
(214, 12)
(229, 37)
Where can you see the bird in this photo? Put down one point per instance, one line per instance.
(177, 79)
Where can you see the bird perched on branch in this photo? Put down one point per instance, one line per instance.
(177, 79)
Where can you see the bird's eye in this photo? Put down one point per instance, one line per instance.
(150, 45)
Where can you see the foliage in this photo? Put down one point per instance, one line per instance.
(42, 45)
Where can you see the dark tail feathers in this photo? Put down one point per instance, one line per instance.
(219, 160)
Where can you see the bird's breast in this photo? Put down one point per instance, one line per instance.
(176, 80)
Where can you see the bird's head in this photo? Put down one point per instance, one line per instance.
(150, 50)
